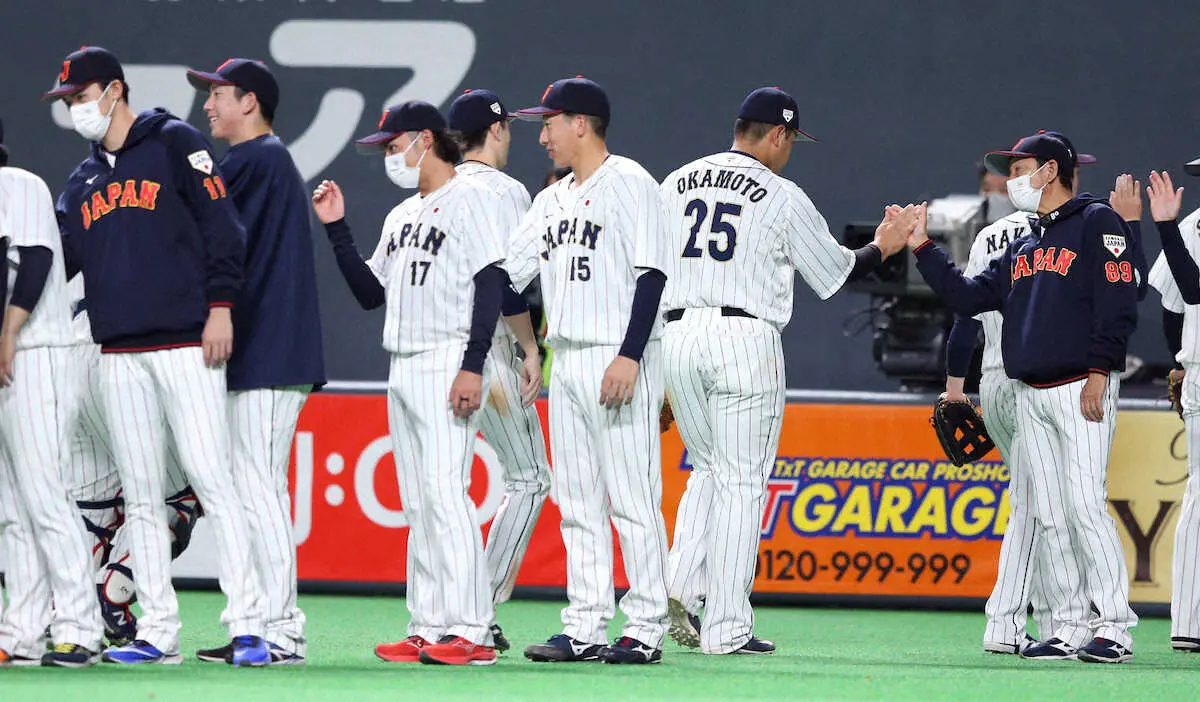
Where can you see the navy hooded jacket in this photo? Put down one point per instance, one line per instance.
(1069, 295)
(155, 235)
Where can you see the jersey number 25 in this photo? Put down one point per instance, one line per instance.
(699, 210)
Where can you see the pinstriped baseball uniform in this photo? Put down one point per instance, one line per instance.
(37, 416)
(587, 241)
(1031, 559)
(512, 429)
(430, 250)
(1185, 567)
(738, 233)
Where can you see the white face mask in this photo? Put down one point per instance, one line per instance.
(1023, 195)
(398, 170)
(88, 121)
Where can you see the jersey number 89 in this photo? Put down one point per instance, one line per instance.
(699, 210)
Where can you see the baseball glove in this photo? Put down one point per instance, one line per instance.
(666, 417)
(1175, 391)
(961, 431)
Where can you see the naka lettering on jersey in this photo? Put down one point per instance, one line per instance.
(129, 194)
(732, 180)
(570, 233)
(1000, 240)
(1048, 259)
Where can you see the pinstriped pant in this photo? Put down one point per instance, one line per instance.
(44, 535)
(262, 424)
(1068, 458)
(1185, 566)
(608, 473)
(145, 395)
(728, 399)
(434, 451)
(515, 432)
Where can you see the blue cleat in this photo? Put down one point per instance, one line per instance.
(250, 652)
(282, 656)
(140, 652)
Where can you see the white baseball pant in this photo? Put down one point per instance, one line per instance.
(1185, 571)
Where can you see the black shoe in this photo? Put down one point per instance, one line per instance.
(499, 641)
(1102, 650)
(1183, 643)
(756, 647)
(1054, 649)
(563, 649)
(629, 650)
(222, 654)
(70, 656)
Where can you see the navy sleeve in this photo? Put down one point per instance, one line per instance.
(985, 292)
(72, 244)
(514, 302)
(366, 287)
(3, 277)
(1173, 330)
(960, 345)
(1114, 294)
(1182, 265)
(646, 297)
(485, 313)
(1134, 231)
(31, 276)
(865, 260)
(199, 180)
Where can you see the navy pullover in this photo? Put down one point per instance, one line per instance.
(156, 237)
(1069, 295)
(276, 322)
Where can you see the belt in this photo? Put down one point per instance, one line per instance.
(675, 315)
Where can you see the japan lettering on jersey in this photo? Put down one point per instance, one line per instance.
(588, 242)
(738, 231)
(1163, 281)
(427, 257)
(27, 218)
(990, 244)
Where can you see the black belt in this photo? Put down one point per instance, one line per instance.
(675, 315)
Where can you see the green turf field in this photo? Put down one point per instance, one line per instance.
(823, 655)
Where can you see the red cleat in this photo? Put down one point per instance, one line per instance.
(406, 651)
(455, 650)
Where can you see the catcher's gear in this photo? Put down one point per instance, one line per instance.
(666, 417)
(1175, 391)
(961, 431)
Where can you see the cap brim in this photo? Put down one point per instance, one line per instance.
(998, 161)
(372, 144)
(1192, 168)
(203, 81)
(534, 114)
(1085, 159)
(805, 136)
(63, 90)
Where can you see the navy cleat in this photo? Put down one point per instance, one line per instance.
(249, 652)
(756, 647)
(221, 654)
(1102, 650)
(140, 652)
(1183, 643)
(499, 640)
(685, 626)
(630, 650)
(561, 648)
(282, 656)
(68, 655)
(1026, 642)
(1054, 649)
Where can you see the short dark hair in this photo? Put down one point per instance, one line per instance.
(3, 156)
(1066, 177)
(751, 130)
(267, 112)
(124, 89)
(599, 124)
(471, 141)
(445, 147)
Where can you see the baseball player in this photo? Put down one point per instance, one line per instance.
(738, 232)
(1176, 276)
(508, 419)
(278, 358)
(596, 239)
(47, 554)
(147, 219)
(436, 269)
(1069, 295)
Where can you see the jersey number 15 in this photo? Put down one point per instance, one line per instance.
(722, 251)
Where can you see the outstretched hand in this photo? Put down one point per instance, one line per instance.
(1126, 198)
(1165, 201)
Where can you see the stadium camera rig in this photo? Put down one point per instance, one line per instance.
(909, 324)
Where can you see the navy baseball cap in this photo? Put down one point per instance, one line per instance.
(247, 74)
(1046, 146)
(475, 111)
(91, 64)
(411, 116)
(773, 106)
(578, 96)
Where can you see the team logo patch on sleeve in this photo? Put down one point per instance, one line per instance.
(1115, 243)
(202, 161)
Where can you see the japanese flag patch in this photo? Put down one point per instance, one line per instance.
(202, 161)
(1115, 243)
